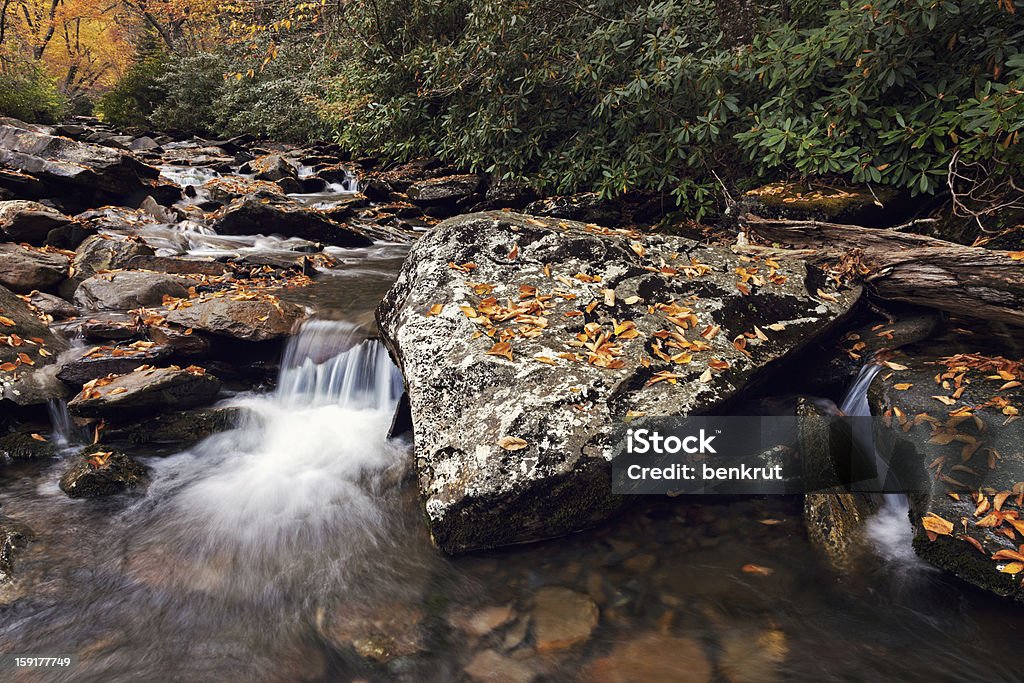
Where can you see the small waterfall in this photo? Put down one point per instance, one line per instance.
(889, 530)
(65, 432)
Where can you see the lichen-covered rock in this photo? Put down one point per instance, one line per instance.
(23, 269)
(523, 341)
(27, 351)
(126, 290)
(145, 391)
(99, 472)
(247, 319)
(25, 221)
(953, 420)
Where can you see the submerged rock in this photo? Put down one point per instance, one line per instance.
(512, 431)
(145, 391)
(489, 666)
(23, 269)
(249, 319)
(378, 633)
(126, 290)
(562, 618)
(99, 472)
(25, 221)
(652, 657)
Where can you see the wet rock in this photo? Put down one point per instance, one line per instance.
(100, 253)
(652, 658)
(19, 446)
(182, 428)
(24, 221)
(126, 290)
(183, 342)
(378, 634)
(950, 421)
(562, 618)
(28, 350)
(586, 207)
(467, 398)
(62, 162)
(446, 190)
(23, 269)
(751, 656)
(14, 537)
(271, 167)
(177, 266)
(489, 666)
(226, 190)
(53, 306)
(113, 360)
(102, 326)
(99, 472)
(146, 391)
(289, 185)
(482, 622)
(251, 320)
(251, 215)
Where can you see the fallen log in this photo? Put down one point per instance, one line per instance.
(898, 266)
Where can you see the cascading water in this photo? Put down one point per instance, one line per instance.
(889, 530)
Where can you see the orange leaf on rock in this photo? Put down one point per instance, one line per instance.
(503, 349)
(937, 525)
(512, 443)
(757, 569)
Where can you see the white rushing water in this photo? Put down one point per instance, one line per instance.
(889, 531)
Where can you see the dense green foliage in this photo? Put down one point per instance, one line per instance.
(26, 93)
(622, 96)
(132, 101)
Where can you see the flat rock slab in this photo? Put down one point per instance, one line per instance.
(259, 319)
(525, 341)
(23, 269)
(127, 290)
(101, 361)
(145, 391)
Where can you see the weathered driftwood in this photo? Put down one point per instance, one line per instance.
(969, 281)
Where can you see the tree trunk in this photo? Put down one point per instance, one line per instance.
(738, 21)
(967, 281)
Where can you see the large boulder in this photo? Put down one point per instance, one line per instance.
(100, 253)
(256, 215)
(145, 390)
(62, 163)
(259, 319)
(27, 351)
(952, 421)
(525, 341)
(24, 221)
(128, 289)
(24, 269)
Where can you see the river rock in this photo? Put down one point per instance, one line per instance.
(177, 265)
(101, 361)
(54, 307)
(27, 351)
(62, 162)
(99, 472)
(952, 420)
(181, 428)
(652, 658)
(446, 190)
(13, 538)
(517, 450)
(146, 391)
(489, 666)
(182, 341)
(226, 190)
(101, 253)
(126, 290)
(271, 167)
(378, 633)
(15, 185)
(587, 207)
(250, 320)
(23, 269)
(252, 215)
(24, 221)
(19, 446)
(562, 618)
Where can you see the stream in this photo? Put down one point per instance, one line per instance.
(263, 553)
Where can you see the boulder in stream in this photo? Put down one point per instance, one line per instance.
(523, 342)
(126, 290)
(101, 253)
(13, 538)
(146, 390)
(255, 215)
(97, 471)
(255, 319)
(24, 269)
(25, 221)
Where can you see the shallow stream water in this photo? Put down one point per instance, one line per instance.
(263, 553)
